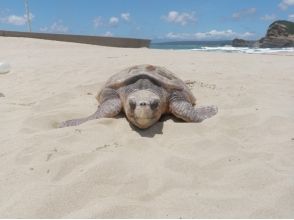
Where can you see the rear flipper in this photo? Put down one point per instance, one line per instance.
(184, 110)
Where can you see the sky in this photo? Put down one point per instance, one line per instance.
(159, 20)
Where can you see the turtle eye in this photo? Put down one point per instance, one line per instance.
(132, 104)
(154, 104)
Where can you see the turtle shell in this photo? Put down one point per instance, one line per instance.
(158, 75)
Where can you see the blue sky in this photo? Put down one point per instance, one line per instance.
(153, 19)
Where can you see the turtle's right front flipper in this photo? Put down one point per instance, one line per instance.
(110, 107)
(185, 111)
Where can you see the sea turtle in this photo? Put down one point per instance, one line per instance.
(144, 93)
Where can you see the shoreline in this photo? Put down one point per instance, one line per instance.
(231, 49)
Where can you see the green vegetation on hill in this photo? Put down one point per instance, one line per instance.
(288, 24)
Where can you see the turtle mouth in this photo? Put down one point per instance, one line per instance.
(144, 122)
(145, 118)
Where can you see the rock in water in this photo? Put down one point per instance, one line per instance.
(242, 43)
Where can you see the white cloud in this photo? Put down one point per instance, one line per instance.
(268, 17)
(285, 4)
(108, 34)
(125, 16)
(98, 22)
(210, 35)
(291, 17)
(113, 21)
(244, 13)
(56, 27)
(16, 20)
(180, 18)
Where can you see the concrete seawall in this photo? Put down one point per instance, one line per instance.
(96, 40)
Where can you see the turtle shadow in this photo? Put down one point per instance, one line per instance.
(149, 132)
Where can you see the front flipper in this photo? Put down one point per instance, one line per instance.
(184, 110)
(107, 109)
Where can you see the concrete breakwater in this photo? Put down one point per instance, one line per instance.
(96, 40)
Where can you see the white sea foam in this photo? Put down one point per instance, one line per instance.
(245, 49)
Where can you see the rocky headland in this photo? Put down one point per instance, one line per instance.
(279, 34)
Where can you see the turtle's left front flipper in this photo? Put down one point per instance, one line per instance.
(110, 107)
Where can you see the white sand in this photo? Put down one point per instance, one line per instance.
(238, 164)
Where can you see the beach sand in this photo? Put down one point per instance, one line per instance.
(238, 164)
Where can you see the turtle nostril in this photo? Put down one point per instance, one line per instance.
(142, 103)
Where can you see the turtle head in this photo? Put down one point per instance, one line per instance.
(143, 108)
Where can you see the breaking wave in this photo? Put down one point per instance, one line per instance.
(248, 50)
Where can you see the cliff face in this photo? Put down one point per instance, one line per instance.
(279, 34)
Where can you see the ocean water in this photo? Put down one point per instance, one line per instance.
(219, 46)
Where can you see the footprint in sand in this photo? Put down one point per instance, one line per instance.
(2, 95)
(192, 83)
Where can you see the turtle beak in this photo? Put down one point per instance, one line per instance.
(144, 115)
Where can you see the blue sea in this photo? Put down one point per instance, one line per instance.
(219, 46)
